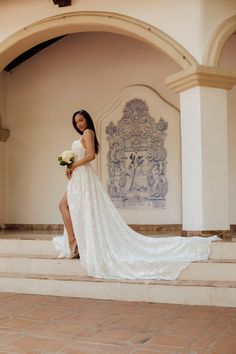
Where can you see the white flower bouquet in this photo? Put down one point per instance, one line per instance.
(66, 158)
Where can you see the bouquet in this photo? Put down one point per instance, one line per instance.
(66, 158)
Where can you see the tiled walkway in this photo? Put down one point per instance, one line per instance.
(45, 324)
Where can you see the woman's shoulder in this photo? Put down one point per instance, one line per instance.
(88, 132)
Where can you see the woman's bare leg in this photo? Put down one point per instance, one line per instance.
(65, 212)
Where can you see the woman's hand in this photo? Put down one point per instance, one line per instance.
(74, 166)
(68, 173)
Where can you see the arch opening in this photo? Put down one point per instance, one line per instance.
(218, 40)
(59, 25)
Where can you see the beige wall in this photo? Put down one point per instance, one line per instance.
(1, 183)
(88, 70)
(82, 70)
(228, 60)
(189, 22)
(2, 144)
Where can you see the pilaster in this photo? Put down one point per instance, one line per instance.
(204, 147)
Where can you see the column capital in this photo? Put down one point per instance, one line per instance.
(201, 75)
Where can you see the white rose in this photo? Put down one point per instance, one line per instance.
(67, 156)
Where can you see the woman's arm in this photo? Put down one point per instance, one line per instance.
(88, 138)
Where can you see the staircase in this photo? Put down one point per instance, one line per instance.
(30, 266)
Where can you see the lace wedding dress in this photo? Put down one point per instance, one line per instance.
(108, 247)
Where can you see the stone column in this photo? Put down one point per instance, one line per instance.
(204, 142)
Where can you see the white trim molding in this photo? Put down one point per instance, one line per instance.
(201, 75)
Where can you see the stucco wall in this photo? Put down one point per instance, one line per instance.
(2, 144)
(82, 70)
(228, 60)
(189, 22)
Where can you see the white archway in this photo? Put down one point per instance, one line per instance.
(89, 21)
(217, 41)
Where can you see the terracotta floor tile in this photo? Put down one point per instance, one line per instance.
(189, 327)
(219, 329)
(81, 350)
(165, 349)
(122, 349)
(176, 313)
(57, 347)
(111, 321)
(138, 322)
(171, 340)
(85, 348)
(161, 325)
(123, 305)
(144, 351)
(142, 337)
(16, 323)
(88, 332)
(202, 343)
(81, 320)
(10, 331)
(7, 297)
(155, 316)
(209, 352)
(45, 313)
(225, 344)
(57, 325)
(202, 315)
(3, 317)
(13, 350)
(35, 299)
(55, 329)
(112, 336)
(37, 343)
(16, 309)
(231, 328)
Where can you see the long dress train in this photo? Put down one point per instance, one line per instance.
(108, 247)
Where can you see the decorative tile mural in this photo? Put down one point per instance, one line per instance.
(137, 158)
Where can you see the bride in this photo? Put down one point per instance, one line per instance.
(96, 233)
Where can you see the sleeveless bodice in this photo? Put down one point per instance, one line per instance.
(78, 149)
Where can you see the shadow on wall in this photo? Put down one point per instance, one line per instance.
(4, 133)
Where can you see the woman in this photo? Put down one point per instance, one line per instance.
(95, 232)
(83, 124)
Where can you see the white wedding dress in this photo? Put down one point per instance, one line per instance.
(108, 247)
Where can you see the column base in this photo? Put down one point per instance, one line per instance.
(224, 234)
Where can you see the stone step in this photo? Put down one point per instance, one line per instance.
(27, 247)
(174, 292)
(219, 250)
(31, 265)
(206, 271)
(210, 271)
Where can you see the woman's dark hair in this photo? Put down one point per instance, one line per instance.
(90, 125)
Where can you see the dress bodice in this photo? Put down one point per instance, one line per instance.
(78, 149)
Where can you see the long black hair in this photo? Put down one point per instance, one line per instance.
(90, 125)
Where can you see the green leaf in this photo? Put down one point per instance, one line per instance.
(62, 163)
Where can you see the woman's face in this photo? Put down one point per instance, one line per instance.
(81, 122)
